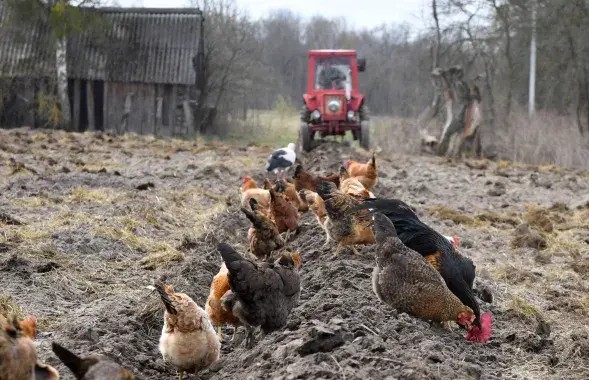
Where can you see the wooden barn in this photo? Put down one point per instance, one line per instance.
(132, 71)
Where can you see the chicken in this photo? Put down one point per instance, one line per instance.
(263, 235)
(365, 173)
(293, 196)
(214, 307)
(28, 327)
(93, 367)
(262, 294)
(303, 180)
(404, 280)
(247, 183)
(351, 185)
(317, 207)
(250, 190)
(341, 226)
(284, 214)
(18, 355)
(188, 339)
(457, 271)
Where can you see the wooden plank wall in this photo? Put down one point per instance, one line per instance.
(154, 108)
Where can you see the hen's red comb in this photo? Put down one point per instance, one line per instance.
(483, 333)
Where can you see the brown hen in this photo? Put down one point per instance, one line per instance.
(403, 279)
(365, 173)
(346, 229)
(263, 235)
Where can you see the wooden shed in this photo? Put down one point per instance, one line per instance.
(132, 73)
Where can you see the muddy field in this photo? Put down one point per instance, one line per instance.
(89, 221)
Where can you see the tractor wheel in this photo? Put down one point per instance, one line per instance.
(304, 138)
(305, 113)
(365, 134)
(363, 112)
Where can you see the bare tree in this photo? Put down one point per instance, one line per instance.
(232, 49)
(64, 18)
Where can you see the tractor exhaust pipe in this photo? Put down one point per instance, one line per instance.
(348, 85)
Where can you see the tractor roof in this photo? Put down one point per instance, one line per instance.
(328, 52)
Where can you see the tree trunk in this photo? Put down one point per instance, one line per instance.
(62, 88)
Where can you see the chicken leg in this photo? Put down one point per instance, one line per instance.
(339, 247)
(219, 333)
(234, 333)
(249, 337)
(355, 250)
(181, 374)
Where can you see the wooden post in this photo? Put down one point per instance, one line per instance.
(127, 112)
(158, 115)
(105, 116)
(188, 119)
(150, 95)
(77, 96)
(172, 111)
(29, 98)
(90, 105)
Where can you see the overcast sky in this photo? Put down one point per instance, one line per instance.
(360, 14)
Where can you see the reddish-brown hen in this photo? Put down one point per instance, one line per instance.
(285, 215)
(304, 180)
(214, 307)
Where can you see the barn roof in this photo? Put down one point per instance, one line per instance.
(149, 45)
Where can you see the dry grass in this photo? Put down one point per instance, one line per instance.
(523, 307)
(444, 212)
(496, 217)
(10, 309)
(547, 140)
(280, 126)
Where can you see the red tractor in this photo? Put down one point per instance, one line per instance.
(333, 102)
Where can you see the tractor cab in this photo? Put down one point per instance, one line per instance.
(333, 103)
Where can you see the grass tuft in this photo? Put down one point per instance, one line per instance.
(10, 309)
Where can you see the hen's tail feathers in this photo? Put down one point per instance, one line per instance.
(392, 208)
(383, 227)
(45, 372)
(272, 194)
(253, 204)
(297, 171)
(249, 214)
(373, 160)
(228, 254)
(280, 186)
(267, 184)
(286, 260)
(325, 189)
(160, 287)
(343, 173)
(71, 360)
(303, 195)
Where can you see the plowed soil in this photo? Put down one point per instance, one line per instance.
(89, 221)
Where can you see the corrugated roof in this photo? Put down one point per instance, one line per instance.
(147, 45)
